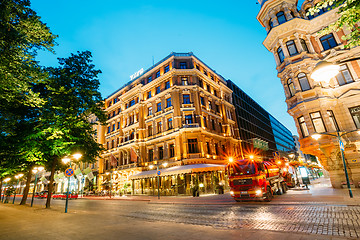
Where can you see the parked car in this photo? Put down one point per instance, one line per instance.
(42, 194)
(63, 196)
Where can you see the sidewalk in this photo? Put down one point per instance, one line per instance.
(320, 192)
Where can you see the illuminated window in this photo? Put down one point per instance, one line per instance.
(184, 81)
(304, 83)
(188, 119)
(344, 75)
(317, 122)
(193, 146)
(303, 127)
(150, 111)
(328, 41)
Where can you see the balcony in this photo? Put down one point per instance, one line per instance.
(191, 125)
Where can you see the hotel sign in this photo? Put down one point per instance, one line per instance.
(138, 73)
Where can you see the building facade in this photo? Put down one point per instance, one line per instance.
(178, 112)
(316, 107)
(259, 131)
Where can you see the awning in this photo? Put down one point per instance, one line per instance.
(194, 168)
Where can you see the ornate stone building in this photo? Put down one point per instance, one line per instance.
(316, 107)
(180, 112)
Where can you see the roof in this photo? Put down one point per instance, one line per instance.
(194, 168)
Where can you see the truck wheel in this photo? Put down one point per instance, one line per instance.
(268, 196)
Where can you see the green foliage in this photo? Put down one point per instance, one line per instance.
(349, 18)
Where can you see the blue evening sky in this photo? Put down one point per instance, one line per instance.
(125, 36)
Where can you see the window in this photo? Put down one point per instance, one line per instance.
(168, 102)
(150, 130)
(151, 155)
(183, 65)
(161, 152)
(355, 113)
(201, 84)
(208, 147)
(344, 75)
(184, 81)
(217, 108)
(271, 25)
(280, 55)
(202, 101)
(303, 127)
(166, 69)
(158, 107)
(281, 17)
(209, 104)
(216, 149)
(149, 95)
(172, 150)
(158, 90)
(159, 127)
(213, 124)
(109, 129)
(291, 48)
(132, 103)
(118, 127)
(192, 144)
(158, 74)
(205, 72)
(333, 123)
(304, 83)
(167, 85)
(204, 121)
(150, 111)
(208, 88)
(304, 46)
(188, 119)
(317, 122)
(291, 87)
(170, 123)
(186, 98)
(149, 79)
(328, 41)
(113, 127)
(215, 93)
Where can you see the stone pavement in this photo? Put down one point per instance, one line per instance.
(320, 192)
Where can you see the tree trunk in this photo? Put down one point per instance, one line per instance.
(51, 184)
(27, 187)
(1, 183)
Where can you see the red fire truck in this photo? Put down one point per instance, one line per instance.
(255, 180)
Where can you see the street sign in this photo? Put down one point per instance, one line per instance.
(341, 145)
(276, 155)
(69, 172)
(158, 173)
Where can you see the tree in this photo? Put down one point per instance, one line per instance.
(349, 12)
(70, 97)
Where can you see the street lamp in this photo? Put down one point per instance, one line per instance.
(158, 175)
(36, 170)
(18, 179)
(66, 160)
(317, 136)
(324, 71)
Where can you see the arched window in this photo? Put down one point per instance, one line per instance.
(304, 83)
(304, 46)
(281, 17)
(291, 87)
(291, 47)
(280, 54)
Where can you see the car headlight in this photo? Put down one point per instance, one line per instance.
(258, 192)
(231, 193)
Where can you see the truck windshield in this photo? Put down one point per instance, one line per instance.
(242, 169)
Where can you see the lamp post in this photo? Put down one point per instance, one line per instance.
(18, 179)
(36, 170)
(338, 135)
(66, 160)
(158, 175)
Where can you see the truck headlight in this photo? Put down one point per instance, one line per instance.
(231, 193)
(258, 192)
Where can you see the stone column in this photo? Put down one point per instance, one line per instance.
(298, 43)
(284, 49)
(311, 48)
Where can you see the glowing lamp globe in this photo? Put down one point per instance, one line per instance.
(324, 71)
